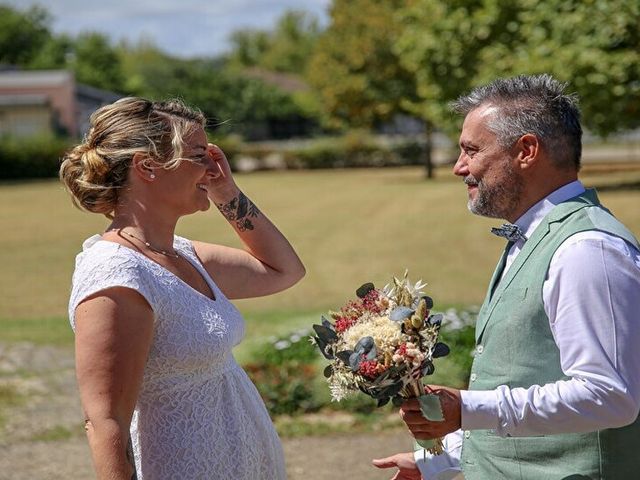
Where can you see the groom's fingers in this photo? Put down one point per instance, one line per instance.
(421, 428)
(410, 405)
(405, 464)
(388, 462)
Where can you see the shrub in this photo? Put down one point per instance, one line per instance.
(35, 157)
(284, 372)
(356, 150)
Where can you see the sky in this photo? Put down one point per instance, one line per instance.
(184, 28)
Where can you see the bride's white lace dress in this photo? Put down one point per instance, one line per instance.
(198, 415)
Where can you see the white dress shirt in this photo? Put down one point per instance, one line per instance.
(591, 295)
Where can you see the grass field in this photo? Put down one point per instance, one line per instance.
(349, 227)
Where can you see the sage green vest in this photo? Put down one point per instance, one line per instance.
(515, 347)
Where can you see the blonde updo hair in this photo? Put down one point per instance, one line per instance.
(95, 171)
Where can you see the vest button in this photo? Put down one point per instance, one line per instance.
(467, 434)
(480, 348)
(473, 377)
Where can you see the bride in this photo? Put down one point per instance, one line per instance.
(161, 392)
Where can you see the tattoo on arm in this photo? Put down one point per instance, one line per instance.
(239, 210)
(131, 460)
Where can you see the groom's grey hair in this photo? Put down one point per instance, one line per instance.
(531, 104)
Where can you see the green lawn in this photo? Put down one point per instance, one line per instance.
(349, 227)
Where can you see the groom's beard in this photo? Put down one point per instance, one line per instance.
(499, 198)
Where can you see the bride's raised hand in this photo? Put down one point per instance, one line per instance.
(221, 183)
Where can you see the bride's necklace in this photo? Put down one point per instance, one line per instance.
(151, 247)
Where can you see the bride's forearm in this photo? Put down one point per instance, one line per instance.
(111, 450)
(260, 236)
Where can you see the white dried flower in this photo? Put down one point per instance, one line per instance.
(386, 334)
(341, 384)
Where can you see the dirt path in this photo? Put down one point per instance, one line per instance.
(42, 437)
(309, 458)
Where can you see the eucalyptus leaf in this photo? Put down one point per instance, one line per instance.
(344, 356)
(371, 355)
(364, 345)
(328, 371)
(400, 314)
(440, 350)
(322, 345)
(427, 368)
(431, 407)
(326, 323)
(382, 402)
(429, 301)
(354, 361)
(327, 334)
(364, 290)
(435, 320)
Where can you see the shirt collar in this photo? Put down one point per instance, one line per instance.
(532, 217)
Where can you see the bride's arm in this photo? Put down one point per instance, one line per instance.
(113, 335)
(267, 264)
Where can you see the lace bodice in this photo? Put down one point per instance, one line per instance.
(198, 416)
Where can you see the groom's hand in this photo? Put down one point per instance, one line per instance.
(404, 462)
(423, 429)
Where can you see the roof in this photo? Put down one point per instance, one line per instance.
(92, 93)
(34, 78)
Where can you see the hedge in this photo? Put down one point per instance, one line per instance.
(39, 157)
(36, 157)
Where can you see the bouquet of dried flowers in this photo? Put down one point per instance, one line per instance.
(383, 343)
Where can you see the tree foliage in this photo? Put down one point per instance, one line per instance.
(355, 70)
(96, 62)
(26, 41)
(22, 34)
(285, 48)
(593, 45)
(229, 99)
(451, 46)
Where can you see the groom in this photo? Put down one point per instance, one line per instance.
(554, 390)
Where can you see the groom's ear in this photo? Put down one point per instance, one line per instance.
(528, 151)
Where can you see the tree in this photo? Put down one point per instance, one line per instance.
(228, 98)
(55, 53)
(292, 43)
(442, 45)
(248, 46)
(286, 48)
(95, 62)
(452, 46)
(25, 41)
(357, 72)
(22, 34)
(592, 45)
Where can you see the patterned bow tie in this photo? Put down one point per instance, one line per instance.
(509, 231)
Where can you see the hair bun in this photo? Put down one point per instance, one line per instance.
(85, 174)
